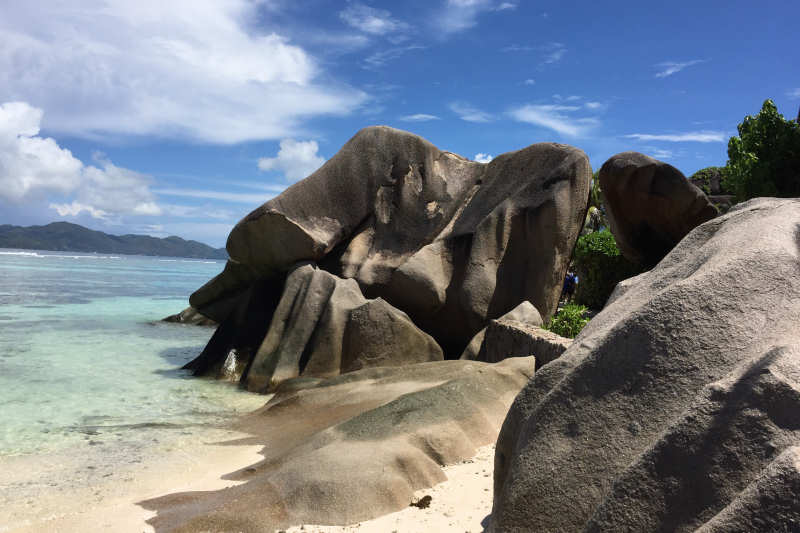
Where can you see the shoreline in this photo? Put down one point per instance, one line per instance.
(86, 488)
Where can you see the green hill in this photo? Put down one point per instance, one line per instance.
(64, 236)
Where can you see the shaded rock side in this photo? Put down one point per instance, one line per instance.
(651, 206)
(676, 400)
(509, 338)
(323, 326)
(525, 313)
(353, 447)
(190, 315)
(451, 242)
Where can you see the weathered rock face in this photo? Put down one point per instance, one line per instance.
(525, 313)
(678, 406)
(354, 447)
(509, 338)
(451, 242)
(651, 206)
(323, 326)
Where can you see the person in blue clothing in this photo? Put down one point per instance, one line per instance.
(570, 282)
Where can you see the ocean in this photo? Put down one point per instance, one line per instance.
(84, 359)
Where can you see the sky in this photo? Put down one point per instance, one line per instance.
(178, 117)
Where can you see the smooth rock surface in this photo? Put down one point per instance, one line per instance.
(651, 206)
(354, 447)
(678, 406)
(451, 242)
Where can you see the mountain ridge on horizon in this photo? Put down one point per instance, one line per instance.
(69, 237)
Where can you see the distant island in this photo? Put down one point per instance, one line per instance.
(68, 237)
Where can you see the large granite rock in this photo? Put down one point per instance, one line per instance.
(323, 326)
(353, 447)
(451, 242)
(651, 206)
(678, 406)
(524, 313)
(509, 338)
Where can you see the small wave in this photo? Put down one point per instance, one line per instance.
(168, 260)
(60, 256)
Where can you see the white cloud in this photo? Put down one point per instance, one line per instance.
(225, 196)
(460, 15)
(552, 117)
(517, 48)
(418, 117)
(668, 68)
(553, 53)
(296, 159)
(197, 69)
(469, 113)
(691, 136)
(505, 5)
(30, 165)
(530, 81)
(595, 106)
(371, 20)
(483, 158)
(793, 93)
(662, 154)
(380, 58)
(34, 167)
(572, 98)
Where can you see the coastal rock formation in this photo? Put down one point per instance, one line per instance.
(355, 446)
(524, 313)
(451, 243)
(323, 326)
(651, 206)
(190, 315)
(678, 406)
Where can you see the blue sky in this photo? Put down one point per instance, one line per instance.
(179, 117)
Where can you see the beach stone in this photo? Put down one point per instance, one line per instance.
(355, 447)
(651, 206)
(323, 326)
(451, 242)
(509, 338)
(192, 316)
(679, 403)
(524, 313)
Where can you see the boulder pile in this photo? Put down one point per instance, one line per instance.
(393, 252)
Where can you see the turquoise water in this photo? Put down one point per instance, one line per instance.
(83, 357)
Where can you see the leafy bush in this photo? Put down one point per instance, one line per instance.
(600, 266)
(569, 321)
(709, 179)
(764, 160)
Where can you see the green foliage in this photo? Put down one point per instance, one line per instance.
(569, 321)
(596, 214)
(764, 160)
(709, 179)
(600, 266)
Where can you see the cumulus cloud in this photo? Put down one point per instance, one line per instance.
(296, 159)
(30, 165)
(34, 167)
(555, 117)
(418, 117)
(482, 158)
(371, 20)
(469, 113)
(668, 68)
(193, 69)
(690, 136)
